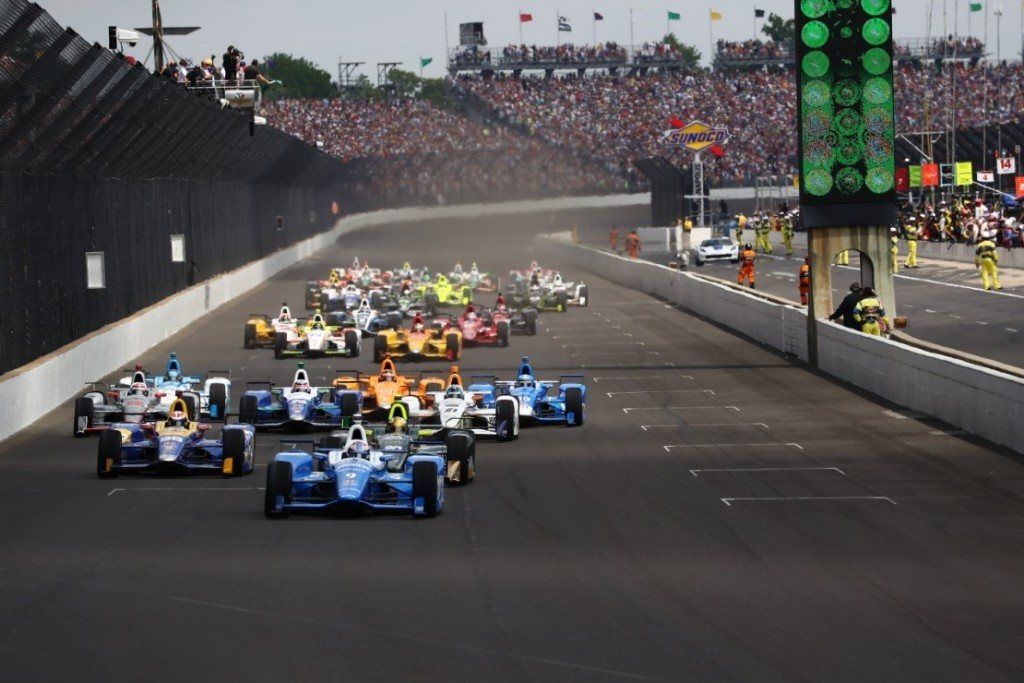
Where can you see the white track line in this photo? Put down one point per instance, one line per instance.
(710, 424)
(615, 353)
(767, 469)
(782, 499)
(612, 394)
(628, 410)
(598, 379)
(187, 488)
(591, 336)
(668, 447)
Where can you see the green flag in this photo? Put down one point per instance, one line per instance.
(976, 6)
(674, 16)
(915, 176)
(425, 60)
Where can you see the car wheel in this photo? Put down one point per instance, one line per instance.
(451, 345)
(190, 407)
(108, 454)
(250, 336)
(503, 333)
(352, 343)
(380, 348)
(574, 406)
(506, 409)
(280, 344)
(218, 404)
(424, 486)
(531, 323)
(457, 447)
(247, 409)
(279, 489)
(349, 404)
(233, 464)
(584, 296)
(83, 415)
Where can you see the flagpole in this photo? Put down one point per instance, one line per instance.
(593, 21)
(632, 43)
(558, 27)
(519, 18)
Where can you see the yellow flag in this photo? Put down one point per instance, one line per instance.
(715, 16)
(964, 172)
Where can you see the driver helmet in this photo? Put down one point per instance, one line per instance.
(358, 449)
(177, 419)
(458, 267)
(173, 374)
(301, 385)
(533, 265)
(473, 267)
(524, 381)
(138, 389)
(364, 304)
(318, 325)
(471, 316)
(418, 327)
(747, 245)
(454, 391)
(387, 376)
(398, 424)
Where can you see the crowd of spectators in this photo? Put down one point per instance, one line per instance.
(566, 53)
(416, 151)
(752, 51)
(964, 220)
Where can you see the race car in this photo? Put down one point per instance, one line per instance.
(442, 292)
(576, 293)
(317, 339)
(536, 401)
(485, 328)
(176, 445)
(356, 475)
(370, 321)
(132, 400)
(210, 395)
(520, 320)
(380, 391)
(420, 342)
(473, 409)
(298, 407)
(262, 330)
(473, 278)
(539, 298)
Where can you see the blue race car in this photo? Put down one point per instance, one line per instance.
(177, 445)
(300, 407)
(210, 396)
(540, 401)
(350, 475)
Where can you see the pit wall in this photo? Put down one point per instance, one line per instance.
(31, 391)
(979, 400)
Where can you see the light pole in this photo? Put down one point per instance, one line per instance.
(999, 39)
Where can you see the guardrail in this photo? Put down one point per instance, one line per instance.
(981, 400)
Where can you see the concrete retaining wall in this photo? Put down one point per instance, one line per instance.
(31, 391)
(976, 399)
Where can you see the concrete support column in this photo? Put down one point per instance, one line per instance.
(823, 244)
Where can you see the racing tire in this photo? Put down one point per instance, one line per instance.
(280, 344)
(247, 409)
(395, 321)
(279, 489)
(698, 262)
(451, 347)
(424, 485)
(349, 405)
(584, 296)
(218, 404)
(505, 413)
(560, 300)
(458, 446)
(380, 348)
(503, 333)
(734, 260)
(108, 454)
(430, 303)
(531, 324)
(83, 410)
(352, 343)
(250, 336)
(234, 453)
(574, 407)
(190, 407)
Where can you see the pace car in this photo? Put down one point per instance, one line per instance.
(356, 475)
(536, 401)
(717, 248)
(299, 407)
(177, 445)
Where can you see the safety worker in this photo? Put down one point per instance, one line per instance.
(747, 258)
(894, 249)
(787, 234)
(805, 280)
(613, 238)
(762, 230)
(986, 259)
(688, 225)
(911, 236)
(633, 244)
(741, 225)
(870, 315)
(845, 309)
(843, 258)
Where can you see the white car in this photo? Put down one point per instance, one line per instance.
(717, 248)
(458, 408)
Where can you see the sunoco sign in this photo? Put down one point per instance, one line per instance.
(696, 136)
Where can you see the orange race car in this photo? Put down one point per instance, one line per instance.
(422, 342)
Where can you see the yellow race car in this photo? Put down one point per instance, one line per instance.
(261, 330)
(434, 342)
(441, 292)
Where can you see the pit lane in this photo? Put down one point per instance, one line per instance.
(769, 523)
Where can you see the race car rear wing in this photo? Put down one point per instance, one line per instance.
(218, 373)
(261, 383)
(562, 378)
(293, 444)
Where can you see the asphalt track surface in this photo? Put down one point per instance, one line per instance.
(725, 514)
(943, 300)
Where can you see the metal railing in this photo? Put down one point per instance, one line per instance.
(569, 57)
(245, 95)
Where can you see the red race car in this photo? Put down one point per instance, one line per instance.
(485, 328)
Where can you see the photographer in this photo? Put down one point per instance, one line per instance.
(252, 73)
(230, 62)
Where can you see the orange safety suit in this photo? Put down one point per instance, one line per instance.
(805, 282)
(747, 257)
(613, 239)
(633, 245)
